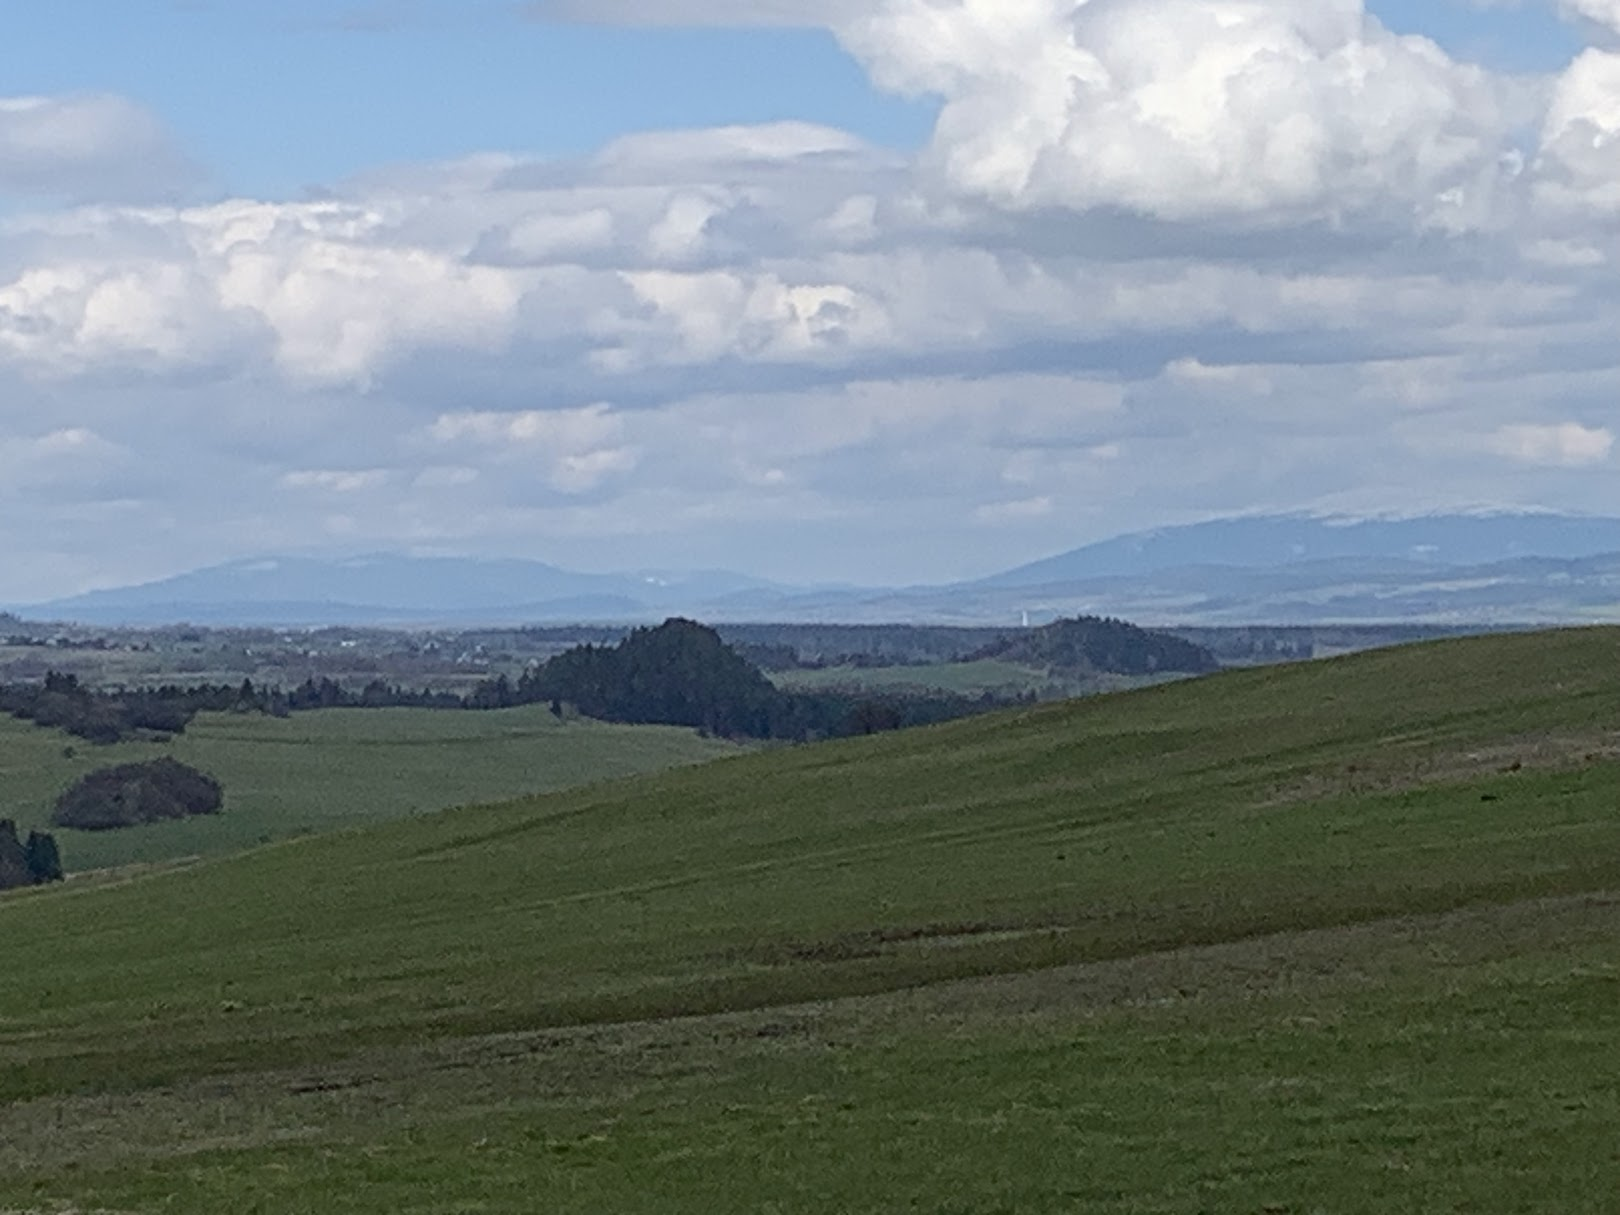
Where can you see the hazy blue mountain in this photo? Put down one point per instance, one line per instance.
(1347, 590)
(390, 589)
(1341, 591)
(1273, 540)
(1447, 569)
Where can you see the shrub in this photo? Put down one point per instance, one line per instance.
(129, 795)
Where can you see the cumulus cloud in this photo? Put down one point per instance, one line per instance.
(1604, 12)
(560, 236)
(579, 449)
(471, 257)
(306, 285)
(93, 147)
(1580, 136)
(1159, 260)
(1180, 109)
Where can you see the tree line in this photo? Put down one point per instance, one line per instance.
(109, 716)
(677, 673)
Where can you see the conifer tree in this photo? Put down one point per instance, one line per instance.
(43, 858)
(13, 858)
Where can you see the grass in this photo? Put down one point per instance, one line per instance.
(961, 678)
(280, 664)
(1340, 937)
(330, 769)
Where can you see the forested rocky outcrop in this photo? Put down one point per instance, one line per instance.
(1097, 644)
(682, 674)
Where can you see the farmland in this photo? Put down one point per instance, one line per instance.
(333, 769)
(977, 678)
(1331, 937)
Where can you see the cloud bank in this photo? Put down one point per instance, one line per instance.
(95, 146)
(1161, 259)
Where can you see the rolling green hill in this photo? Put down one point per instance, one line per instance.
(1338, 937)
(332, 768)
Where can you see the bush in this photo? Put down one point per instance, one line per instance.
(129, 795)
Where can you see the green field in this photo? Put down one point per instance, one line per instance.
(1340, 937)
(333, 768)
(960, 678)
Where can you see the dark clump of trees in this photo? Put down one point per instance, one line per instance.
(128, 795)
(113, 716)
(679, 673)
(326, 693)
(1094, 643)
(32, 863)
(682, 674)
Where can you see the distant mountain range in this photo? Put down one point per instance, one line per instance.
(393, 589)
(1495, 568)
(1268, 541)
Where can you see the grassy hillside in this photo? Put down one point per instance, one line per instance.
(1337, 937)
(333, 768)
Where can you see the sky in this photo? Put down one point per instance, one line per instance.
(883, 292)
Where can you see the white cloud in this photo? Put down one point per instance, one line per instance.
(559, 237)
(719, 314)
(674, 155)
(315, 284)
(579, 449)
(1565, 254)
(570, 429)
(339, 307)
(1604, 12)
(576, 474)
(468, 259)
(681, 235)
(70, 455)
(336, 481)
(1199, 374)
(1579, 166)
(1181, 109)
(1564, 445)
(1160, 260)
(88, 147)
(1014, 512)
